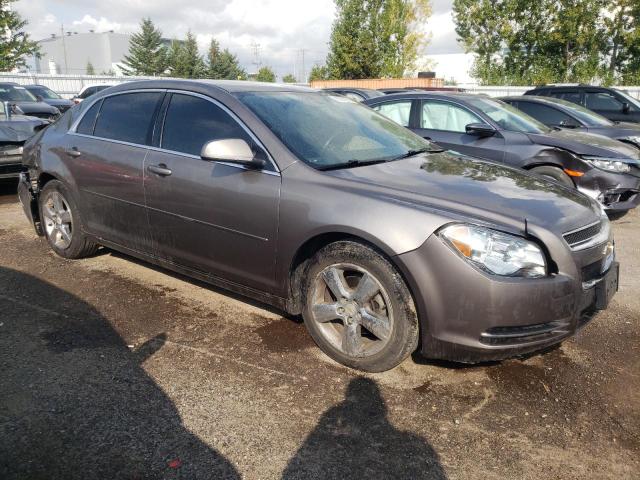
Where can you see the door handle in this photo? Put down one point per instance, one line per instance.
(73, 152)
(161, 170)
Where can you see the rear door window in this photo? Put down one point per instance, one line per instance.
(545, 114)
(128, 117)
(602, 101)
(399, 112)
(569, 96)
(191, 122)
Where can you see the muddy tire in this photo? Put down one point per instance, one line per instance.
(357, 307)
(61, 222)
(554, 173)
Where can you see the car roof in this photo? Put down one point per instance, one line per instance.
(462, 96)
(9, 84)
(229, 86)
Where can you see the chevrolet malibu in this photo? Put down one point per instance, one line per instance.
(319, 206)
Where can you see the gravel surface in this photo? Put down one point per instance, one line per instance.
(111, 368)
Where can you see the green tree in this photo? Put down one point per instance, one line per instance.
(185, 59)
(223, 64)
(15, 44)
(376, 38)
(147, 52)
(266, 74)
(318, 72)
(90, 70)
(623, 50)
(289, 78)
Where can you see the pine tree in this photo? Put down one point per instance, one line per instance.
(223, 64)
(186, 61)
(147, 52)
(90, 70)
(266, 74)
(15, 44)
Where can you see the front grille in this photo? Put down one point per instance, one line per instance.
(583, 235)
(524, 333)
(593, 270)
(10, 169)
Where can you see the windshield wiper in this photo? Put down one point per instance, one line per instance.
(412, 153)
(350, 164)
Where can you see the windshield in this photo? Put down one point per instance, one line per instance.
(12, 93)
(508, 117)
(586, 116)
(629, 98)
(45, 93)
(325, 130)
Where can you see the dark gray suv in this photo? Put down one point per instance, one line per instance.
(315, 204)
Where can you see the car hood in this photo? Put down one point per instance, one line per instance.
(19, 128)
(619, 130)
(479, 191)
(583, 143)
(36, 107)
(58, 102)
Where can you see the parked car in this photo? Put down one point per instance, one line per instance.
(479, 126)
(27, 103)
(87, 91)
(357, 94)
(15, 129)
(555, 112)
(320, 206)
(48, 96)
(614, 104)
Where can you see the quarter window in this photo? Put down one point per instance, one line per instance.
(128, 117)
(446, 116)
(88, 121)
(192, 121)
(399, 112)
(602, 101)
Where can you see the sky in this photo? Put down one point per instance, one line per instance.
(278, 30)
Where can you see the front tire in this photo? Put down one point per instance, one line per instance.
(358, 309)
(554, 173)
(61, 222)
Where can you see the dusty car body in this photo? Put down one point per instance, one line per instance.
(14, 131)
(601, 167)
(319, 206)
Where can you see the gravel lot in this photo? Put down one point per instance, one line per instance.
(111, 368)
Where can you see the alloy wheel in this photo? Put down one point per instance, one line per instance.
(58, 220)
(352, 310)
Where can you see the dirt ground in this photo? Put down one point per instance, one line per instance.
(110, 368)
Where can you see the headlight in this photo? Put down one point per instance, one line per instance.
(496, 252)
(609, 164)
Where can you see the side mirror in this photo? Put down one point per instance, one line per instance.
(480, 130)
(232, 150)
(565, 124)
(626, 107)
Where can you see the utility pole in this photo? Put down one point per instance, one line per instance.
(304, 70)
(256, 55)
(64, 49)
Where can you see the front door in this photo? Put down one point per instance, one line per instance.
(213, 217)
(445, 123)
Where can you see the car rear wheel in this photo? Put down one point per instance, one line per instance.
(61, 223)
(554, 173)
(358, 308)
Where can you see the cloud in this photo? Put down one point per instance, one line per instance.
(100, 25)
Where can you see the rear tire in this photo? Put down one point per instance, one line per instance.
(554, 173)
(61, 222)
(357, 307)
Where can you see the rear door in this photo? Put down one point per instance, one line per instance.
(214, 217)
(445, 123)
(105, 154)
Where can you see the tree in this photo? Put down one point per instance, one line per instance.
(376, 38)
(90, 70)
(289, 78)
(223, 64)
(266, 74)
(623, 50)
(318, 72)
(185, 59)
(15, 44)
(147, 52)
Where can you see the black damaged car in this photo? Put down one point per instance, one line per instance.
(15, 130)
(483, 127)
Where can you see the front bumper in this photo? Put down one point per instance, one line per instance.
(616, 191)
(470, 316)
(10, 166)
(29, 201)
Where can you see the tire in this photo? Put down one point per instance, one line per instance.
(554, 173)
(61, 222)
(358, 309)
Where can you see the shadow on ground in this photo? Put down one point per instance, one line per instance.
(354, 439)
(75, 402)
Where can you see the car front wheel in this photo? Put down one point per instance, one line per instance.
(358, 308)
